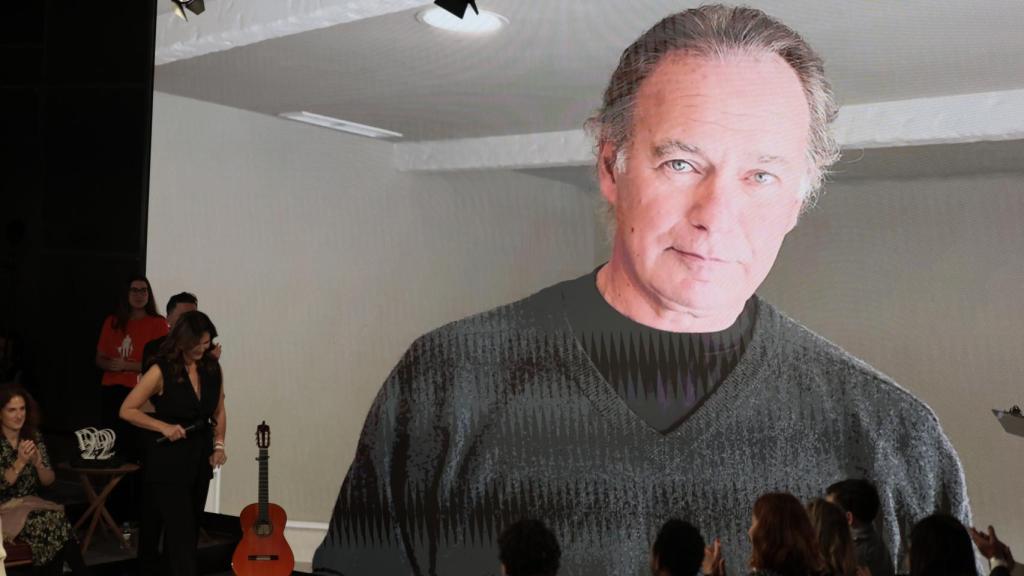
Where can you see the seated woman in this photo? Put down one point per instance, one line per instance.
(25, 466)
(782, 538)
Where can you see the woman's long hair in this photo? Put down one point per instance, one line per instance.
(941, 546)
(834, 537)
(186, 335)
(123, 310)
(782, 538)
(30, 429)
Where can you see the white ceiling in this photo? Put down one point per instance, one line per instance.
(546, 71)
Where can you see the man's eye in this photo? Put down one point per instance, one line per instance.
(763, 178)
(680, 166)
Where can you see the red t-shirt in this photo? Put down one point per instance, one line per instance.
(128, 344)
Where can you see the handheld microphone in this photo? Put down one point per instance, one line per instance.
(197, 425)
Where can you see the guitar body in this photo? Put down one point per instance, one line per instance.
(263, 551)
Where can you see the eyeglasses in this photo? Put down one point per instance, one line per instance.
(134, 290)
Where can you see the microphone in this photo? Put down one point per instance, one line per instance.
(197, 425)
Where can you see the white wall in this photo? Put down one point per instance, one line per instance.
(924, 279)
(320, 264)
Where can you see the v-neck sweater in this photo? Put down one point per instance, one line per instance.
(502, 416)
(662, 375)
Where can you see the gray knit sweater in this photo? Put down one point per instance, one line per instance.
(502, 416)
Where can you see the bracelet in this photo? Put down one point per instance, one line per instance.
(220, 447)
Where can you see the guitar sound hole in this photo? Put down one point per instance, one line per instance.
(264, 528)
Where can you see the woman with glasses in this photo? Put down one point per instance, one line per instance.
(125, 333)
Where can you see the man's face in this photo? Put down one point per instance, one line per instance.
(712, 181)
(177, 311)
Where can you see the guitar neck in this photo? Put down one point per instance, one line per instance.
(264, 498)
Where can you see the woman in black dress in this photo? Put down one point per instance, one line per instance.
(184, 384)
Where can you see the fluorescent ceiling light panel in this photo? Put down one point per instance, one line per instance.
(342, 125)
(471, 23)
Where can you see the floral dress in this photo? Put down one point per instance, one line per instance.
(45, 531)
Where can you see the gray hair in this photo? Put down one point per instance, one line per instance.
(717, 31)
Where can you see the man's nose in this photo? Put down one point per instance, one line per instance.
(716, 204)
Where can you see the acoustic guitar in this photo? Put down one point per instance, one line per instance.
(263, 550)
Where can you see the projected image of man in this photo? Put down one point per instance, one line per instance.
(660, 385)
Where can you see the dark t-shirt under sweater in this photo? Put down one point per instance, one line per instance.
(660, 375)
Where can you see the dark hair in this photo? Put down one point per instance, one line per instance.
(181, 298)
(782, 538)
(834, 538)
(941, 546)
(678, 548)
(185, 335)
(123, 310)
(528, 548)
(856, 496)
(30, 429)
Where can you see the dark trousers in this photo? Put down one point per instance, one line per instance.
(174, 509)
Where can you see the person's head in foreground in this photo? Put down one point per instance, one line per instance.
(528, 548)
(678, 549)
(711, 138)
(941, 546)
(834, 537)
(782, 538)
(857, 497)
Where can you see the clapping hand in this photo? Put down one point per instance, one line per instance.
(28, 452)
(990, 546)
(714, 563)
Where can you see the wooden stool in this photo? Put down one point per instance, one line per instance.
(97, 512)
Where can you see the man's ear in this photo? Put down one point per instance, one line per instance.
(607, 178)
(849, 518)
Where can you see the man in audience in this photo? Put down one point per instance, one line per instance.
(660, 382)
(528, 548)
(859, 500)
(176, 306)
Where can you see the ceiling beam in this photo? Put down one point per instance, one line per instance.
(987, 116)
(231, 23)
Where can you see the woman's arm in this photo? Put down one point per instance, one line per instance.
(152, 382)
(220, 416)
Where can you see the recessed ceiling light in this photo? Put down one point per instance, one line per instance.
(338, 124)
(470, 23)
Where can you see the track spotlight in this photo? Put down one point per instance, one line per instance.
(457, 7)
(193, 6)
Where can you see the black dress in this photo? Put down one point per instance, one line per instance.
(177, 474)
